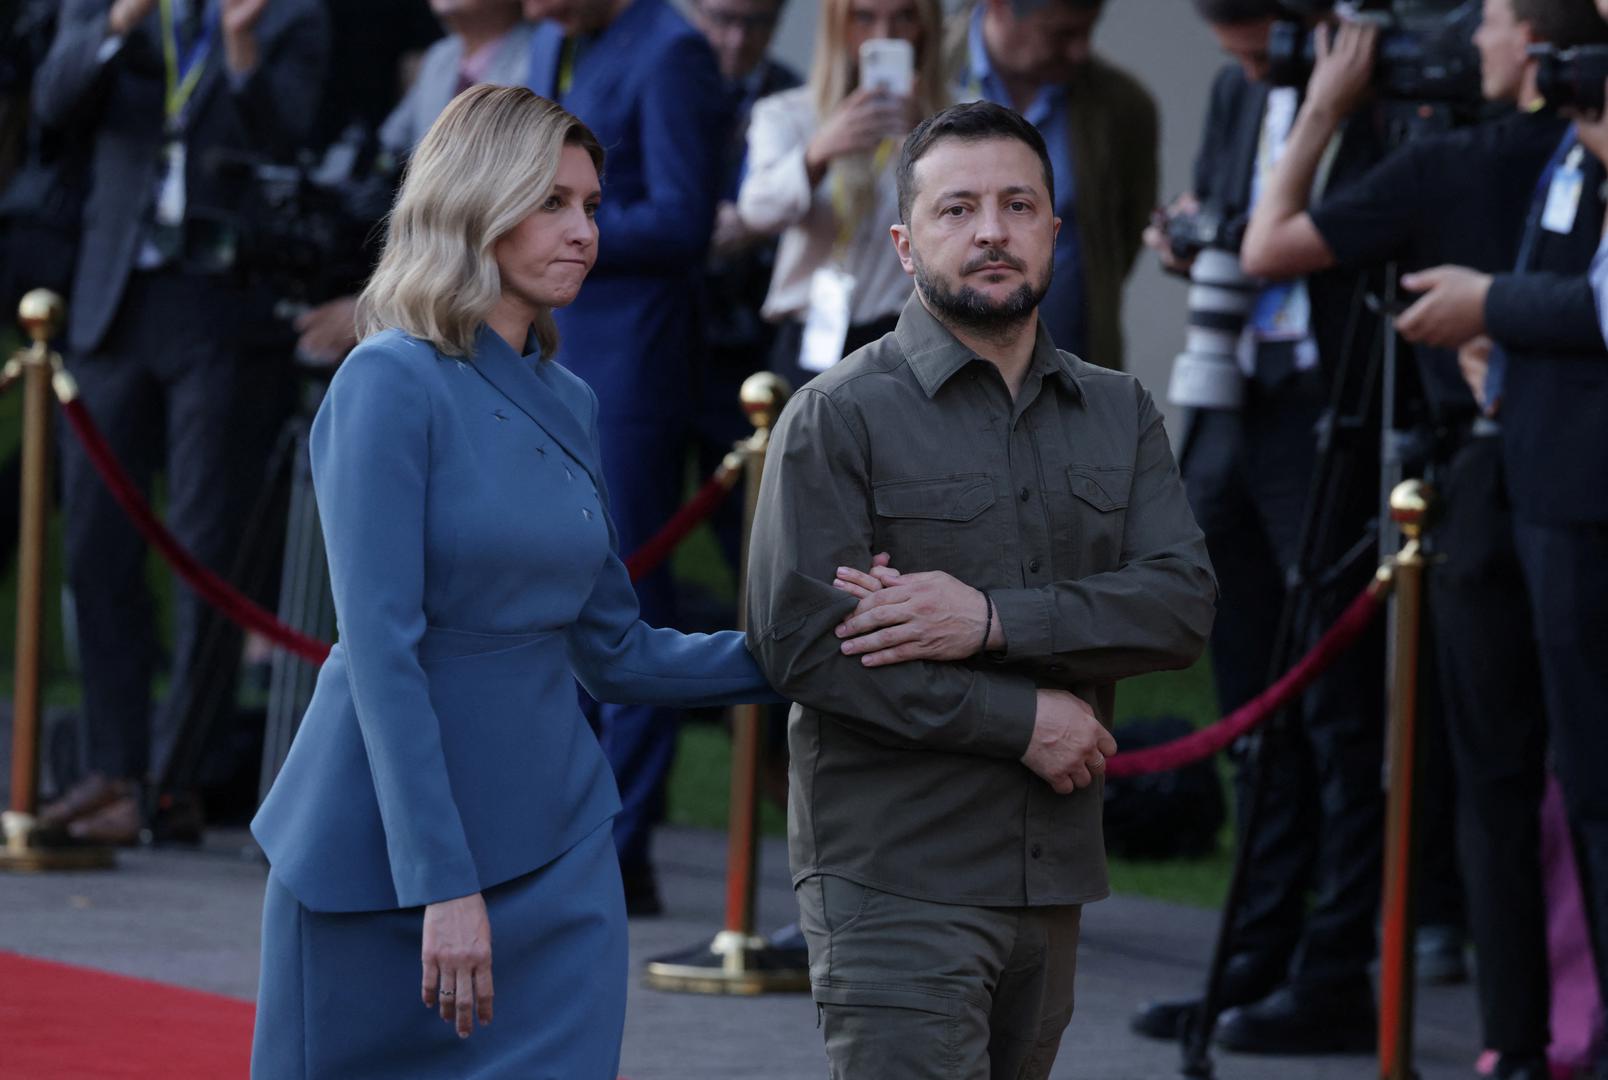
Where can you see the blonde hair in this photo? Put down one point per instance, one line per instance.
(484, 166)
(834, 74)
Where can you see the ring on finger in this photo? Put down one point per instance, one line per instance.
(1098, 761)
(448, 993)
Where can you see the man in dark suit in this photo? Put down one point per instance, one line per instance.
(648, 85)
(1534, 354)
(168, 344)
(1303, 935)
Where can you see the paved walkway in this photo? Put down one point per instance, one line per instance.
(191, 917)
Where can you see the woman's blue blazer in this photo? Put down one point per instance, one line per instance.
(476, 579)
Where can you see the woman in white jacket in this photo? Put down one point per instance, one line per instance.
(821, 163)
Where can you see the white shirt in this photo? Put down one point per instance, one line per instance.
(776, 198)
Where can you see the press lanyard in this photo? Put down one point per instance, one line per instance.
(566, 67)
(183, 72)
(840, 196)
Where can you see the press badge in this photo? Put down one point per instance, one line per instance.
(170, 192)
(826, 327)
(1563, 195)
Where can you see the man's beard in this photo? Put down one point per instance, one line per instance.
(971, 310)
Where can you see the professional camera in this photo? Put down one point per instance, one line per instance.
(307, 229)
(1425, 51)
(1572, 78)
(1208, 227)
(1206, 375)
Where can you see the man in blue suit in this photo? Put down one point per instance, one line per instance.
(647, 84)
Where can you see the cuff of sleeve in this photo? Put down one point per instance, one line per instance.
(1024, 619)
(1009, 717)
(1498, 305)
(418, 884)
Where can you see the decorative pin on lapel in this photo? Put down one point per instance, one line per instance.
(499, 414)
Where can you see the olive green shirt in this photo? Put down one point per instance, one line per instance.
(1065, 504)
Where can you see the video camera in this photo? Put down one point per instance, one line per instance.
(1425, 51)
(307, 229)
(1572, 78)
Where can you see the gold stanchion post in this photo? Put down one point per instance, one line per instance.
(1410, 507)
(739, 960)
(40, 313)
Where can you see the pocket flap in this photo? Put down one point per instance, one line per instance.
(1104, 487)
(888, 997)
(946, 498)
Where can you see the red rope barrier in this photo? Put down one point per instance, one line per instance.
(208, 585)
(651, 555)
(243, 612)
(1210, 740)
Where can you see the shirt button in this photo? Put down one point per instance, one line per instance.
(1025, 495)
(1035, 851)
(1033, 566)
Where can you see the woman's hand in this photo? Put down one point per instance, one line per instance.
(457, 961)
(856, 126)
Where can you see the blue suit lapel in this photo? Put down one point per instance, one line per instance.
(525, 383)
(546, 42)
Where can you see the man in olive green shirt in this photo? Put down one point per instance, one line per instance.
(947, 745)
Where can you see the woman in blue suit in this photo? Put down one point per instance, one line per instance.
(444, 792)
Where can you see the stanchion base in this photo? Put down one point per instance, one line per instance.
(20, 854)
(731, 964)
(43, 860)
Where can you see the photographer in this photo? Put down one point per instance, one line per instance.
(174, 356)
(1459, 198)
(1543, 369)
(1299, 969)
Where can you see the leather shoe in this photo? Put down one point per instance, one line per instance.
(1303, 1020)
(1521, 1067)
(1246, 978)
(117, 824)
(90, 795)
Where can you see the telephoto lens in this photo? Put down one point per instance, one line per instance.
(1206, 374)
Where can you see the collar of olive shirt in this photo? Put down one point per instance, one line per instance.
(935, 354)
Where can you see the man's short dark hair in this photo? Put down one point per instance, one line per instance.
(969, 122)
(1563, 22)
(1235, 12)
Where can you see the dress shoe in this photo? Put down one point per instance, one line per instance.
(178, 819)
(1438, 956)
(117, 824)
(91, 794)
(1246, 978)
(1521, 1067)
(1303, 1020)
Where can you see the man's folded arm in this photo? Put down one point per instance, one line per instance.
(813, 516)
(1151, 614)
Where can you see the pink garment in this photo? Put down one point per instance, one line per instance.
(1577, 1015)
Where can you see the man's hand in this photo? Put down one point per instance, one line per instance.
(328, 331)
(240, 33)
(1069, 743)
(125, 15)
(1452, 310)
(1155, 235)
(1343, 69)
(1474, 361)
(900, 617)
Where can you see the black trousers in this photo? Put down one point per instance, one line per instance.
(1313, 890)
(1566, 568)
(1496, 728)
(176, 390)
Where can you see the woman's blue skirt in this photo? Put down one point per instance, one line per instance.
(339, 993)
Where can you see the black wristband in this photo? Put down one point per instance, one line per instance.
(988, 619)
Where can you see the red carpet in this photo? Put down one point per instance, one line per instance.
(60, 1022)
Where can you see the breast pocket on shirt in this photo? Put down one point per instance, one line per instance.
(936, 523)
(1096, 512)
